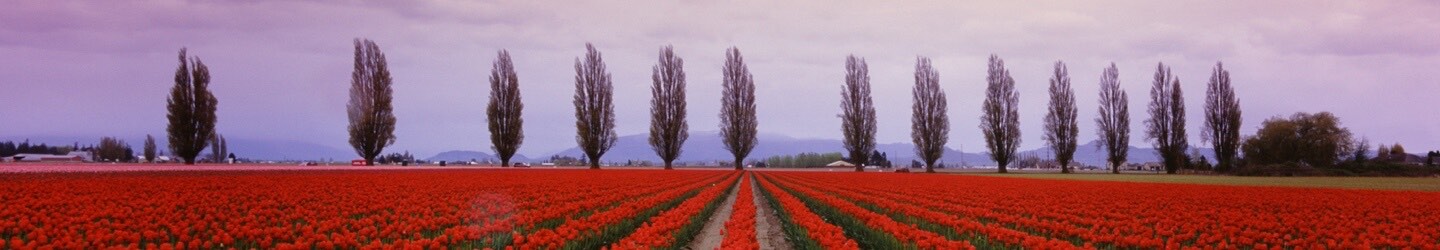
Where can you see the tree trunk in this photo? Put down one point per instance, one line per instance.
(1114, 168)
(1171, 167)
(859, 167)
(930, 167)
(668, 166)
(369, 161)
(189, 161)
(504, 162)
(739, 163)
(1002, 166)
(1065, 168)
(594, 162)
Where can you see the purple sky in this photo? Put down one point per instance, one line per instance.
(281, 68)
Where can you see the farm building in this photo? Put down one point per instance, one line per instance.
(75, 156)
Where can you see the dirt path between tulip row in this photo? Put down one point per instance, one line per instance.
(767, 223)
(710, 237)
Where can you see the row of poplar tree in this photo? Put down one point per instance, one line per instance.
(372, 121)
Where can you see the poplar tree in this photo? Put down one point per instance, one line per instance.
(1114, 119)
(737, 107)
(1222, 119)
(149, 148)
(857, 117)
(1166, 126)
(1000, 114)
(594, 107)
(929, 123)
(502, 113)
(218, 148)
(191, 109)
(1061, 127)
(668, 128)
(372, 119)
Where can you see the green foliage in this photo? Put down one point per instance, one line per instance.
(879, 159)
(10, 148)
(219, 148)
(395, 158)
(803, 160)
(565, 160)
(113, 150)
(1379, 183)
(1371, 168)
(1397, 149)
(1382, 152)
(1314, 140)
(149, 149)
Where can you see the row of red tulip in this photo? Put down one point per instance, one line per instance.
(739, 230)
(590, 230)
(795, 214)
(903, 204)
(908, 234)
(661, 231)
(341, 209)
(1023, 212)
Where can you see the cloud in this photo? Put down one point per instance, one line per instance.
(282, 67)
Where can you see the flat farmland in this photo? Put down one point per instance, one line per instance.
(1385, 183)
(476, 208)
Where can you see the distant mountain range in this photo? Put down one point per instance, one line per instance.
(702, 146)
(707, 146)
(241, 147)
(467, 155)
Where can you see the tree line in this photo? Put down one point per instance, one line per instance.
(372, 121)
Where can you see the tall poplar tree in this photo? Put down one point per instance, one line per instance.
(1114, 120)
(372, 118)
(1222, 119)
(1166, 126)
(502, 113)
(668, 128)
(929, 123)
(1000, 114)
(191, 109)
(594, 106)
(1061, 126)
(737, 108)
(857, 117)
(149, 149)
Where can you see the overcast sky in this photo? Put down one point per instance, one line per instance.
(281, 69)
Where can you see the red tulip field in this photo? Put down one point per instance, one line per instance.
(649, 209)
